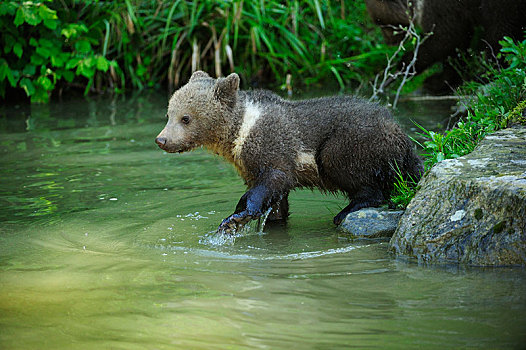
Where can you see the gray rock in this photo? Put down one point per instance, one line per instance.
(472, 209)
(371, 222)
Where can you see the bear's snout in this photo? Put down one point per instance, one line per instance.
(161, 141)
(169, 146)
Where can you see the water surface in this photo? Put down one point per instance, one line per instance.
(105, 243)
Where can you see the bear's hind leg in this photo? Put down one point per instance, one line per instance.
(280, 210)
(365, 198)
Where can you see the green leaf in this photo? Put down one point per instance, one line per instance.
(46, 12)
(9, 43)
(17, 49)
(19, 18)
(28, 86)
(36, 59)
(86, 67)
(59, 59)
(102, 64)
(30, 14)
(43, 51)
(46, 43)
(29, 69)
(83, 46)
(89, 62)
(72, 30)
(45, 83)
(33, 42)
(72, 63)
(13, 76)
(4, 68)
(45, 71)
(68, 75)
(141, 70)
(51, 23)
(67, 32)
(49, 16)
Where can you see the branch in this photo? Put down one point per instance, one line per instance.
(407, 71)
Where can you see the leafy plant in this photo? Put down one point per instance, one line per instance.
(404, 189)
(495, 102)
(55, 51)
(98, 45)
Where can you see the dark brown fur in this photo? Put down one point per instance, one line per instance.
(456, 24)
(337, 144)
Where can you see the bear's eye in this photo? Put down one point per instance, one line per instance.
(185, 119)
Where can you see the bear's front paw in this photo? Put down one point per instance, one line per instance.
(234, 222)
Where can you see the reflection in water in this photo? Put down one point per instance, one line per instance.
(105, 243)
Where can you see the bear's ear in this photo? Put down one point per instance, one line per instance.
(198, 74)
(225, 89)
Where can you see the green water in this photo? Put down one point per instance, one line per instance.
(105, 243)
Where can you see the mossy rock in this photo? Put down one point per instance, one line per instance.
(471, 209)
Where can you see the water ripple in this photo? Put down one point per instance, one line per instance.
(290, 256)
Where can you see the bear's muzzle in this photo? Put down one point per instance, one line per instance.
(160, 141)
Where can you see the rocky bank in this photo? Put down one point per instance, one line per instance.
(471, 209)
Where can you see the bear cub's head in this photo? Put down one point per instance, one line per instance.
(198, 112)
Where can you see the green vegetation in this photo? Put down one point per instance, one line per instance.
(113, 45)
(492, 104)
(495, 102)
(404, 190)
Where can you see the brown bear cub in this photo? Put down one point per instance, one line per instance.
(336, 144)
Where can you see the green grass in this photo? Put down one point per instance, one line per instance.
(404, 190)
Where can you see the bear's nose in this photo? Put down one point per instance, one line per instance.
(161, 141)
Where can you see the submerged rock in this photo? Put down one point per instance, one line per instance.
(371, 222)
(471, 209)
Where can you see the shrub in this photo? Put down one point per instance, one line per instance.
(112, 45)
(40, 50)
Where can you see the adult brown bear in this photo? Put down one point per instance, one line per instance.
(455, 24)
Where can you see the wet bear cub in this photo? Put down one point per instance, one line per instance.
(336, 144)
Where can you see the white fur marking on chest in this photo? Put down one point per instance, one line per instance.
(251, 115)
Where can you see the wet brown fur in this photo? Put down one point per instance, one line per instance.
(337, 144)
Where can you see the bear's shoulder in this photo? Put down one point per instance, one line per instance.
(264, 97)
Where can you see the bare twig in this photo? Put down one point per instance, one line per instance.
(407, 70)
(431, 98)
(493, 55)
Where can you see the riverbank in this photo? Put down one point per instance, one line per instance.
(471, 209)
(495, 102)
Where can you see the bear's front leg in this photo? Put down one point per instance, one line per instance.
(270, 188)
(250, 206)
